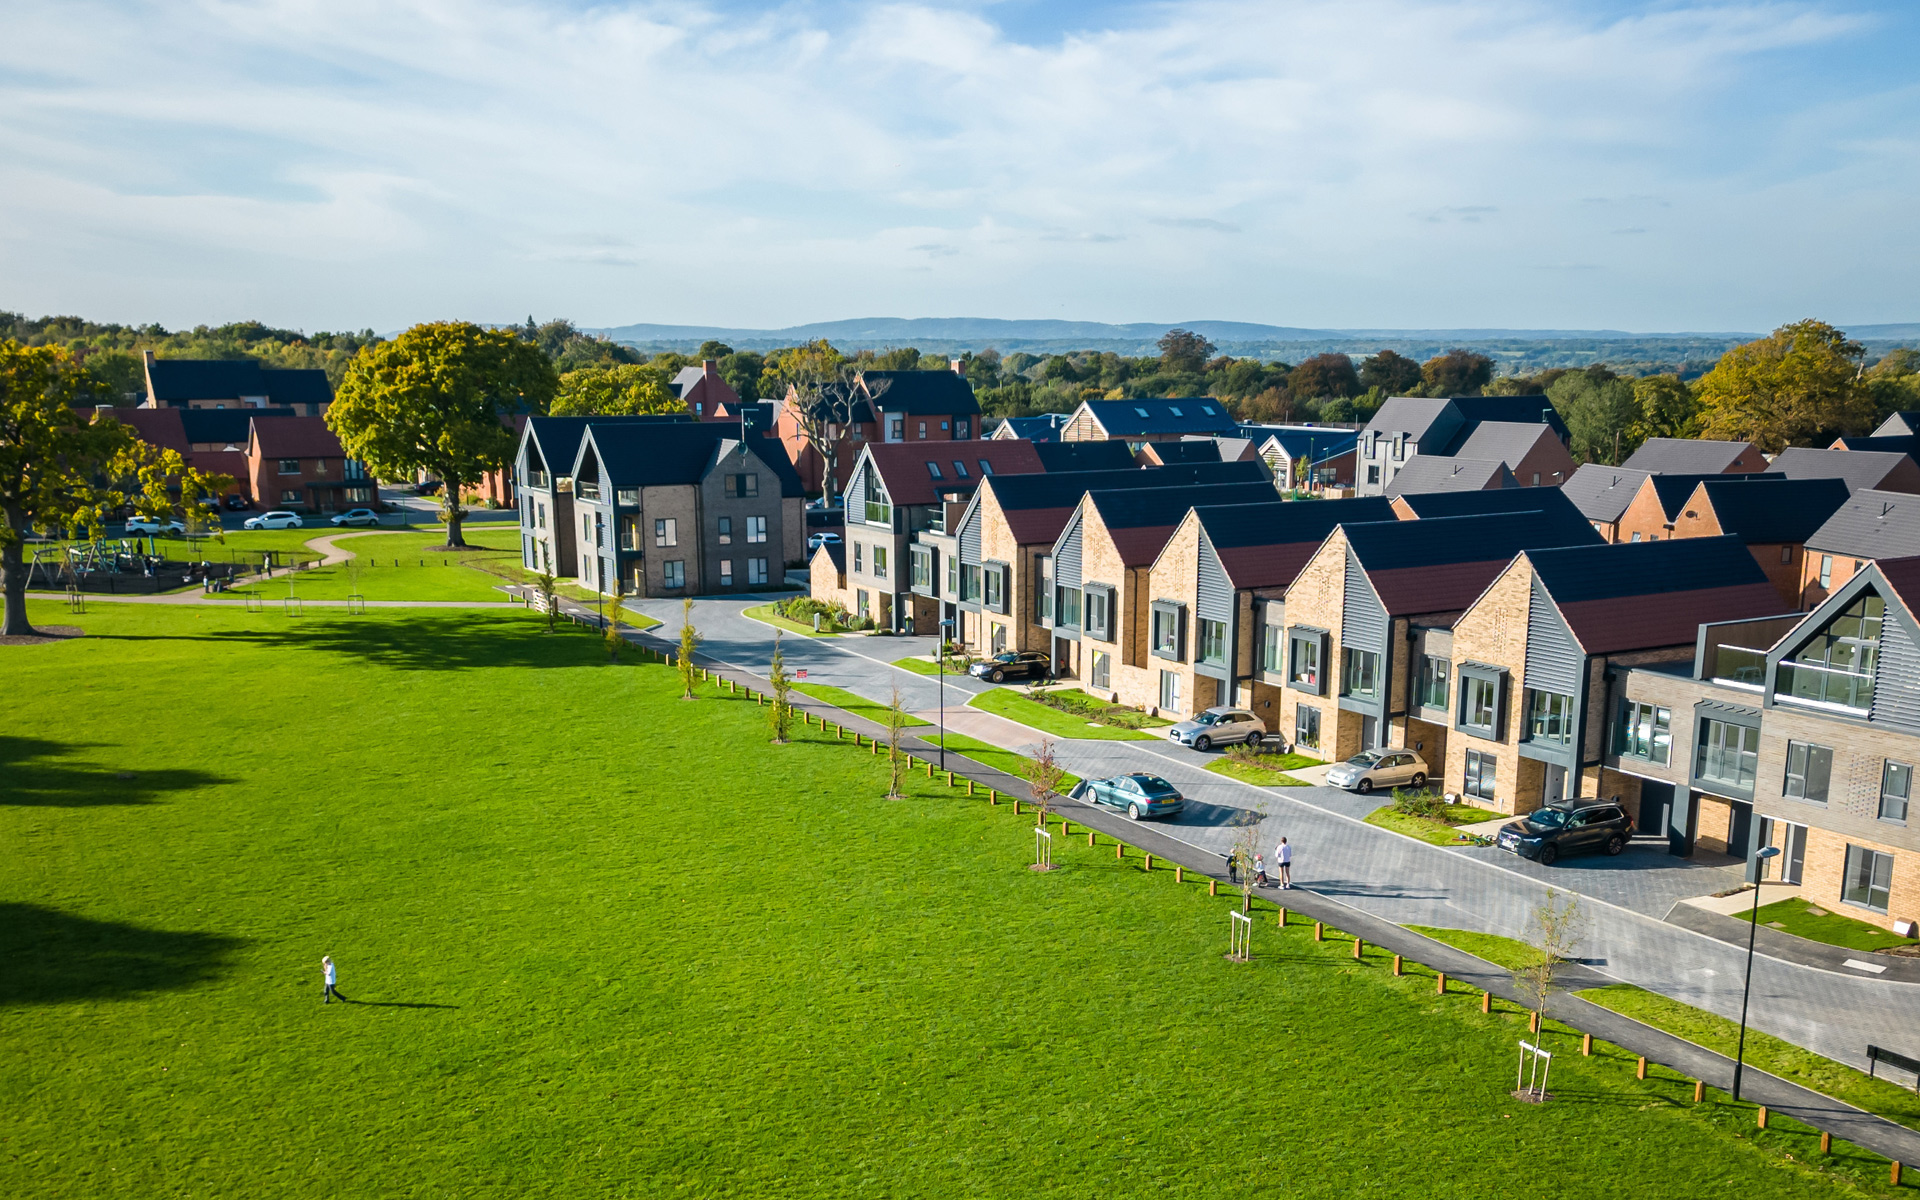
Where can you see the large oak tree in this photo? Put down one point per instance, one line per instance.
(1800, 385)
(436, 399)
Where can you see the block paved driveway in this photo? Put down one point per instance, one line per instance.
(1400, 879)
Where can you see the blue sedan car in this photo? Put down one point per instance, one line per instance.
(1139, 795)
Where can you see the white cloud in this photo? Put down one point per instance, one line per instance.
(374, 163)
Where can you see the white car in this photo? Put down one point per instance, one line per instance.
(155, 525)
(357, 516)
(1379, 768)
(277, 519)
(817, 540)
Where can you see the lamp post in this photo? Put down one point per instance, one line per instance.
(940, 673)
(1753, 931)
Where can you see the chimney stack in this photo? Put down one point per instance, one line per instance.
(959, 366)
(146, 356)
(709, 367)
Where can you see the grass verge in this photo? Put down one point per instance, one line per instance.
(765, 615)
(859, 706)
(1260, 774)
(1439, 831)
(1796, 916)
(1501, 951)
(923, 666)
(1005, 702)
(993, 756)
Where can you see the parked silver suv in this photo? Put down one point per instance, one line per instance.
(1220, 725)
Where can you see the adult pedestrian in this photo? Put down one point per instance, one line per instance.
(331, 993)
(1283, 858)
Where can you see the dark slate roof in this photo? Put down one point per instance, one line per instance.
(225, 425)
(1437, 473)
(558, 438)
(1266, 544)
(1602, 493)
(1520, 410)
(1903, 576)
(1084, 456)
(1299, 442)
(1414, 416)
(1673, 491)
(1147, 418)
(1685, 456)
(1503, 441)
(1899, 424)
(1642, 595)
(1553, 500)
(1204, 450)
(1043, 428)
(1894, 444)
(655, 454)
(1860, 468)
(297, 386)
(904, 472)
(1773, 510)
(1871, 524)
(1141, 520)
(923, 393)
(178, 380)
(1037, 506)
(1442, 564)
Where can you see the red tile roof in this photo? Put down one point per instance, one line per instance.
(156, 426)
(1903, 576)
(1613, 626)
(1266, 566)
(1030, 525)
(1439, 588)
(903, 465)
(295, 437)
(1138, 547)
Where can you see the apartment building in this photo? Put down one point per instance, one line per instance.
(543, 487)
(1695, 456)
(1805, 740)
(1407, 427)
(1871, 525)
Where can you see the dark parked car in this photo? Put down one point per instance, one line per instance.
(427, 487)
(1138, 795)
(238, 503)
(1547, 833)
(1024, 664)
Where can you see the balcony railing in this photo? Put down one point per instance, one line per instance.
(585, 490)
(1738, 664)
(1824, 685)
(538, 479)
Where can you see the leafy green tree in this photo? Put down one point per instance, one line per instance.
(1667, 409)
(1600, 414)
(436, 399)
(1184, 352)
(1800, 385)
(630, 389)
(1894, 382)
(1456, 373)
(1324, 375)
(49, 457)
(713, 350)
(1393, 373)
(743, 372)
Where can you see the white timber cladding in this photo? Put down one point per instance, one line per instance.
(969, 537)
(1066, 554)
(855, 498)
(1896, 684)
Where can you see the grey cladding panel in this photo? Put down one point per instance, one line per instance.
(969, 538)
(1553, 657)
(1896, 687)
(856, 497)
(1066, 563)
(1215, 599)
(1363, 622)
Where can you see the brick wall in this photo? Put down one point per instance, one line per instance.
(1177, 580)
(1100, 563)
(1317, 598)
(1494, 632)
(1822, 879)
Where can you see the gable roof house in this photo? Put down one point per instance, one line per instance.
(1695, 456)
(707, 395)
(1444, 473)
(1602, 494)
(1305, 457)
(1772, 517)
(1905, 423)
(1406, 427)
(1140, 421)
(543, 486)
(1100, 563)
(297, 463)
(1870, 526)
(1086, 456)
(683, 508)
(1186, 450)
(1414, 506)
(1525, 710)
(878, 406)
(1207, 625)
(1881, 470)
(233, 383)
(208, 440)
(1041, 427)
(1373, 603)
(1000, 578)
(1658, 502)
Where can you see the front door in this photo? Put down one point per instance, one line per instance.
(1554, 787)
(1369, 731)
(1739, 829)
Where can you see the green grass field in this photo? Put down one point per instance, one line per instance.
(1501, 951)
(605, 942)
(765, 615)
(1797, 917)
(859, 706)
(422, 573)
(1009, 703)
(993, 756)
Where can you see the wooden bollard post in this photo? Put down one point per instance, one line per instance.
(1533, 1021)
(1119, 849)
(1440, 983)
(1760, 1117)
(1486, 1002)
(1090, 841)
(950, 782)
(1586, 1047)
(1700, 1095)
(1640, 1068)
(1319, 932)
(1826, 1142)
(1148, 864)
(1282, 920)
(1358, 948)
(969, 784)
(1396, 964)
(993, 797)
(1180, 874)
(1893, 1176)
(1016, 806)
(930, 771)
(1213, 887)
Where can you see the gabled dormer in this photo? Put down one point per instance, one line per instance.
(1858, 654)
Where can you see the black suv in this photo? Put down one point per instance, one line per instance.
(1546, 834)
(1026, 664)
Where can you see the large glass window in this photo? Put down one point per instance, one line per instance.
(1306, 727)
(1213, 642)
(673, 573)
(666, 532)
(1303, 662)
(1836, 667)
(757, 532)
(1550, 718)
(1270, 644)
(879, 508)
(1480, 704)
(953, 577)
(1066, 605)
(1727, 753)
(922, 568)
(996, 585)
(1433, 681)
(1043, 588)
(1869, 879)
(1099, 601)
(1645, 731)
(970, 582)
(1896, 789)
(756, 570)
(1481, 769)
(1809, 768)
(879, 557)
(1166, 632)
(1359, 672)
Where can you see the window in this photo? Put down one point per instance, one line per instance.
(1359, 672)
(933, 469)
(320, 467)
(744, 485)
(1433, 682)
(953, 577)
(970, 582)
(1826, 570)
(1481, 771)
(997, 637)
(290, 496)
(879, 507)
(1175, 410)
(627, 496)
(1896, 788)
(995, 582)
(986, 468)
(1099, 606)
(860, 557)
(599, 529)
(879, 557)
(1635, 537)
(629, 533)
(756, 570)
(1373, 474)
(861, 610)
(959, 469)
(1836, 665)
(922, 568)
(1786, 554)
(1644, 732)
(961, 428)
(1270, 649)
(726, 531)
(1043, 588)
(666, 531)
(1869, 879)
(1066, 605)
(726, 572)
(1480, 704)
(289, 466)
(923, 431)
(1809, 769)
(1170, 691)
(1101, 674)
(1550, 718)
(896, 429)
(1306, 727)
(1213, 642)
(540, 514)
(757, 530)
(673, 573)
(1727, 753)
(1303, 662)
(1166, 631)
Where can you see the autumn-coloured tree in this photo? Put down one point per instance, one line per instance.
(1393, 373)
(626, 389)
(1184, 352)
(1324, 375)
(1456, 373)
(1801, 385)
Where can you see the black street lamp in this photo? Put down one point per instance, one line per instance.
(940, 673)
(1753, 931)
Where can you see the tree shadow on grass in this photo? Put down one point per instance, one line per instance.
(33, 775)
(427, 640)
(52, 957)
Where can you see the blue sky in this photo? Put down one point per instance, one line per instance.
(1359, 163)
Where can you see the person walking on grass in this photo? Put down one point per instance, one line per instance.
(1283, 859)
(330, 994)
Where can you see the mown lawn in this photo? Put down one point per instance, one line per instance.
(765, 615)
(1439, 831)
(858, 705)
(604, 942)
(1270, 770)
(1796, 916)
(401, 566)
(1507, 952)
(997, 757)
(1008, 703)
